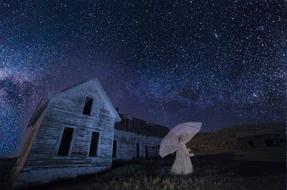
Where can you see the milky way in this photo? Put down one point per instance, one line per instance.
(215, 61)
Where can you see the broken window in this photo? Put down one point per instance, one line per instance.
(251, 144)
(66, 140)
(138, 150)
(271, 142)
(115, 145)
(94, 144)
(126, 123)
(88, 106)
(146, 151)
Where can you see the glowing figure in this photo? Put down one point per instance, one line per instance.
(175, 141)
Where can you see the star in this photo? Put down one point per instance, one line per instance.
(209, 61)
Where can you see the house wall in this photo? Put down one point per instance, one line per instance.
(255, 148)
(127, 145)
(65, 110)
(257, 143)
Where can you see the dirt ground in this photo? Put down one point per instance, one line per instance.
(219, 172)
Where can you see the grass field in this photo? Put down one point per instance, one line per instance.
(210, 173)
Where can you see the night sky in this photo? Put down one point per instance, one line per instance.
(222, 62)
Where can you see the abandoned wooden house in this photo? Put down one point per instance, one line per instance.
(135, 138)
(266, 143)
(73, 133)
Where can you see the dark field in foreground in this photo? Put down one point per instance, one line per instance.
(210, 173)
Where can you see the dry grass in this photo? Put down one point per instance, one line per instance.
(211, 173)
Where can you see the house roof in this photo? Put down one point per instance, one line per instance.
(95, 83)
(259, 130)
(141, 127)
(42, 105)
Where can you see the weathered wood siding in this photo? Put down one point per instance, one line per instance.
(127, 145)
(65, 110)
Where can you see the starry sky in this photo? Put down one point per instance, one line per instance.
(222, 62)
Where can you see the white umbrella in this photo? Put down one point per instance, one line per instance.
(183, 132)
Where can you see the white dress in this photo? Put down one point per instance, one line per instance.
(182, 164)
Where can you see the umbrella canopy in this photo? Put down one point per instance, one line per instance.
(183, 132)
(186, 131)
